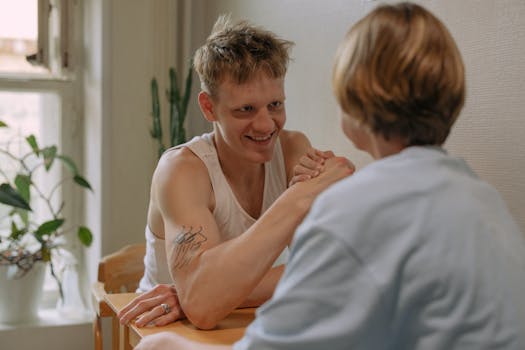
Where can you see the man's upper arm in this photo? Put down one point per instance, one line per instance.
(183, 191)
(295, 144)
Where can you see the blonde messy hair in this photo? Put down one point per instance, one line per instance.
(399, 72)
(239, 51)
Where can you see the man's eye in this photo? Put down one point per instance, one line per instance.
(276, 105)
(246, 109)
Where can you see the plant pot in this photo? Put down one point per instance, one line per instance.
(20, 296)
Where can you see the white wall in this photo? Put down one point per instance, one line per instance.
(130, 152)
(127, 43)
(490, 133)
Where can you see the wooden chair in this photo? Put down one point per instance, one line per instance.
(119, 272)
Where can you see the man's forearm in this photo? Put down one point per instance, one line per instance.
(264, 290)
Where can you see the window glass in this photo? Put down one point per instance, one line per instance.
(18, 36)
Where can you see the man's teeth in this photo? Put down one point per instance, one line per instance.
(261, 138)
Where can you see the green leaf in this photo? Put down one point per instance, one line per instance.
(187, 93)
(82, 182)
(31, 140)
(156, 130)
(49, 156)
(9, 196)
(14, 229)
(48, 227)
(2, 124)
(85, 236)
(22, 183)
(174, 100)
(23, 214)
(70, 164)
(46, 253)
(16, 232)
(174, 93)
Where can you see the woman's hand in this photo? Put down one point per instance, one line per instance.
(157, 307)
(310, 165)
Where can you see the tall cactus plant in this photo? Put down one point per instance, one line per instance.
(178, 103)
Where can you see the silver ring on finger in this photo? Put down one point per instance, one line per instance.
(166, 308)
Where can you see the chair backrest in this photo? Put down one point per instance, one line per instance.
(121, 271)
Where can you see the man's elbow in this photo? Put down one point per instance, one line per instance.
(200, 315)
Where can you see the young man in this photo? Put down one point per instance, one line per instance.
(220, 213)
(429, 256)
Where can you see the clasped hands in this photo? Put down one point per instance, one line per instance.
(313, 163)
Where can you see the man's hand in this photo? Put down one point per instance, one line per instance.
(312, 164)
(158, 307)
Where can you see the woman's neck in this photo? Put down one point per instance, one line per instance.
(381, 147)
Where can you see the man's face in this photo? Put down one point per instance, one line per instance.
(249, 117)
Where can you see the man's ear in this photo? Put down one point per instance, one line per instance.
(207, 107)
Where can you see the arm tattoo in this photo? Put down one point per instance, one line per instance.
(186, 244)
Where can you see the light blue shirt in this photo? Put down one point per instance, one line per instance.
(412, 252)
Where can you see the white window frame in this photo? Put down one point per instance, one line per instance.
(55, 25)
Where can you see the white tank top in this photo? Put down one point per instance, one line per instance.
(231, 218)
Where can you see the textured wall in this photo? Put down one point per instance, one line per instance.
(490, 133)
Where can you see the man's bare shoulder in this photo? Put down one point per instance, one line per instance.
(294, 144)
(180, 167)
(293, 141)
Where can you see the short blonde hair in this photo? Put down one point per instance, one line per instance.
(239, 51)
(399, 72)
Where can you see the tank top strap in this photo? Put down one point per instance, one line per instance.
(204, 148)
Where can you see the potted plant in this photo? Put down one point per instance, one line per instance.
(29, 242)
(178, 103)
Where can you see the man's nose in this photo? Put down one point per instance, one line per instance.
(264, 121)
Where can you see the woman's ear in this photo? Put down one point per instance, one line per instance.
(207, 107)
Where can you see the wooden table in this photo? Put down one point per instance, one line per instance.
(228, 331)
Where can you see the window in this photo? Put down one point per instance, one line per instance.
(18, 36)
(39, 90)
(28, 113)
(35, 37)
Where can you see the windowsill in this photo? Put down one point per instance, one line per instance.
(51, 331)
(50, 318)
(34, 77)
